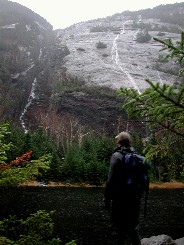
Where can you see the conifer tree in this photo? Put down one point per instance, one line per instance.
(162, 107)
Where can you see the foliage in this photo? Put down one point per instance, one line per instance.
(39, 144)
(169, 13)
(104, 28)
(138, 143)
(86, 158)
(13, 173)
(176, 51)
(143, 36)
(161, 28)
(167, 154)
(36, 229)
(17, 137)
(21, 168)
(80, 49)
(105, 55)
(74, 85)
(159, 103)
(87, 162)
(4, 147)
(100, 45)
(71, 243)
(163, 108)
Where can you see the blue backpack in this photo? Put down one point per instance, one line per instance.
(137, 171)
(136, 177)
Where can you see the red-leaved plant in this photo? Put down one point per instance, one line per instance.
(19, 161)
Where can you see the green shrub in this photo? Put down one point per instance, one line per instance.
(105, 55)
(143, 37)
(105, 28)
(80, 49)
(101, 45)
(74, 85)
(36, 229)
(4, 145)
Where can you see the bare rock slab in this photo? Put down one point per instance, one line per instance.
(158, 240)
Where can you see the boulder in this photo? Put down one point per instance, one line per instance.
(158, 240)
(180, 241)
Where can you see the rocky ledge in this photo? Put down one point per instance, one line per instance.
(162, 240)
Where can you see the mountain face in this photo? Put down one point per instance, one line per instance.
(57, 79)
(107, 52)
(25, 38)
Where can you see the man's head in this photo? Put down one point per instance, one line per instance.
(124, 139)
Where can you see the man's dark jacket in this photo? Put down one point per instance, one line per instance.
(116, 189)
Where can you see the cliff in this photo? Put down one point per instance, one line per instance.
(48, 78)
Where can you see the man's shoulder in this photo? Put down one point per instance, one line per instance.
(117, 154)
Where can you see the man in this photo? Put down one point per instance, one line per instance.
(123, 201)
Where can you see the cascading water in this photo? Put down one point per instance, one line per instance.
(115, 58)
(29, 102)
(122, 68)
(31, 96)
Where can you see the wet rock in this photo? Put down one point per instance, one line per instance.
(123, 63)
(180, 241)
(158, 240)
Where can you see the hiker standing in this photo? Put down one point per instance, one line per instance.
(123, 197)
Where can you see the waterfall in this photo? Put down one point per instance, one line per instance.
(29, 102)
(115, 58)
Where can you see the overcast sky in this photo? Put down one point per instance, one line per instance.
(63, 13)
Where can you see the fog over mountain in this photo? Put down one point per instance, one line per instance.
(64, 14)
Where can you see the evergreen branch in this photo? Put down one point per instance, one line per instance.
(168, 128)
(169, 45)
(163, 95)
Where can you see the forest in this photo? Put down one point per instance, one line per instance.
(82, 156)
